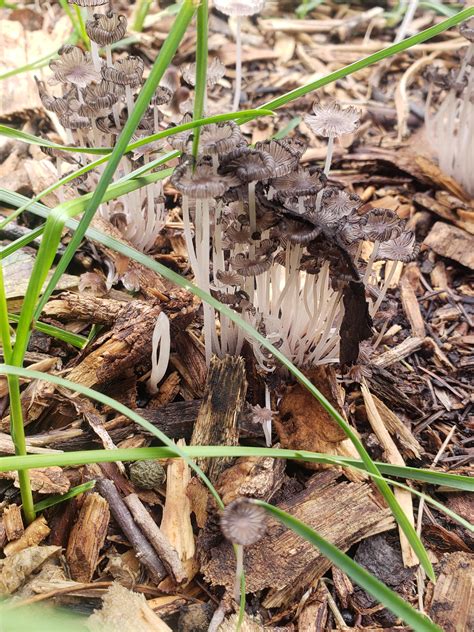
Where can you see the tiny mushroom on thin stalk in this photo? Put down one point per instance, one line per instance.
(238, 9)
(243, 523)
(126, 72)
(161, 337)
(105, 30)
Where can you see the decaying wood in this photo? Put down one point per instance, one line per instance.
(223, 400)
(176, 523)
(87, 537)
(452, 242)
(411, 308)
(450, 600)
(342, 512)
(190, 362)
(42, 366)
(69, 306)
(8, 447)
(44, 480)
(400, 352)
(155, 536)
(393, 456)
(143, 549)
(314, 614)
(33, 535)
(16, 569)
(13, 522)
(256, 477)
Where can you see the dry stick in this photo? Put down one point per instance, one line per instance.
(159, 542)
(393, 456)
(420, 576)
(143, 549)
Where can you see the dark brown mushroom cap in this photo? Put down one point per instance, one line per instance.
(97, 98)
(248, 165)
(336, 204)
(296, 231)
(202, 183)
(106, 124)
(401, 248)
(59, 153)
(219, 138)
(382, 224)
(332, 119)
(351, 230)
(89, 3)
(299, 182)
(106, 29)
(235, 234)
(246, 266)
(73, 66)
(284, 154)
(125, 72)
(58, 105)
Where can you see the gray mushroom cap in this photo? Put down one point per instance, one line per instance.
(248, 165)
(106, 28)
(243, 522)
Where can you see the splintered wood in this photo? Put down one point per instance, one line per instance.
(217, 418)
(87, 537)
(285, 564)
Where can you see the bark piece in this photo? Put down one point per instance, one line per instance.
(87, 537)
(126, 345)
(452, 242)
(13, 522)
(314, 615)
(44, 480)
(16, 569)
(411, 307)
(409, 445)
(451, 601)
(401, 351)
(69, 306)
(344, 513)
(159, 542)
(217, 418)
(34, 534)
(143, 549)
(126, 611)
(256, 477)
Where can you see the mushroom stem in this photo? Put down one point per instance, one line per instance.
(161, 337)
(239, 570)
(252, 208)
(95, 56)
(129, 98)
(108, 56)
(330, 150)
(238, 65)
(371, 260)
(267, 425)
(385, 286)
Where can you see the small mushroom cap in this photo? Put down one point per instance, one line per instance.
(243, 522)
(202, 183)
(215, 72)
(402, 248)
(337, 204)
(98, 98)
(246, 266)
(125, 72)
(227, 277)
(147, 474)
(219, 138)
(73, 66)
(332, 119)
(239, 7)
(286, 157)
(382, 224)
(299, 182)
(106, 29)
(58, 105)
(248, 164)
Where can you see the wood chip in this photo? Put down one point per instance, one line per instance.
(45, 480)
(87, 537)
(16, 569)
(34, 534)
(452, 242)
(13, 522)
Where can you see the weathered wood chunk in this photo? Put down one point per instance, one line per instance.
(452, 242)
(284, 563)
(13, 522)
(87, 537)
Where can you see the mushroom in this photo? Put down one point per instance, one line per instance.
(73, 66)
(237, 9)
(105, 30)
(243, 523)
(126, 72)
(161, 337)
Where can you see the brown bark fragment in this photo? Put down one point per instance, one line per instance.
(87, 537)
(13, 522)
(452, 242)
(344, 513)
(314, 615)
(217, 419)
(126, 345)
(69, 306)
(256, 477)
(451, 598)
(411, 307)
(34, 534)
(44, 480)
(16, 569)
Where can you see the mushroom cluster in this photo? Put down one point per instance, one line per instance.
(451, 127)
(279, 243)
